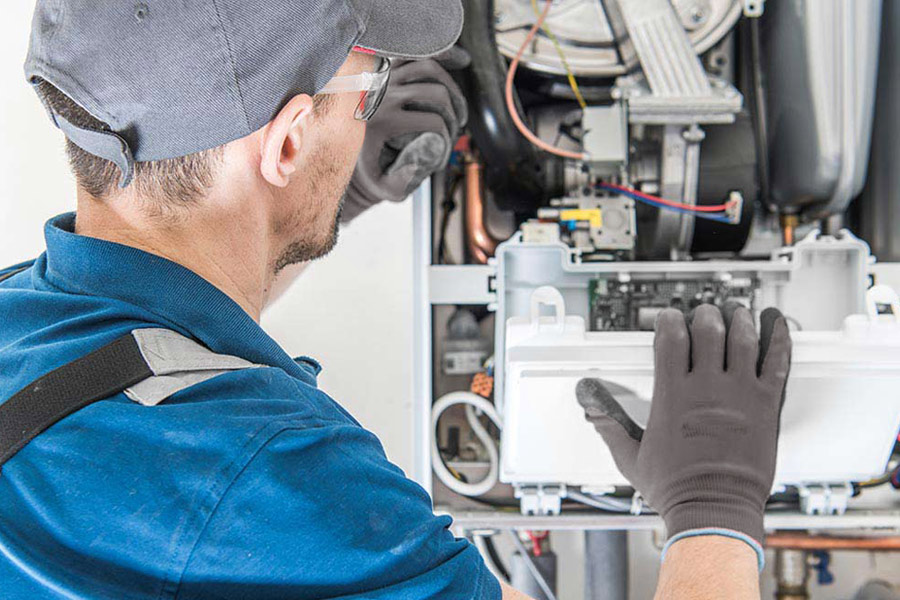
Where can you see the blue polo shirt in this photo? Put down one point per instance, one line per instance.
(252, 485)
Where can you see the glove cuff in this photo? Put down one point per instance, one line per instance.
(737, 535)
(740, 517)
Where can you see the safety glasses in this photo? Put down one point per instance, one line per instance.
(371, 85)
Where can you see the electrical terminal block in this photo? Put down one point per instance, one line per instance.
(735, 207)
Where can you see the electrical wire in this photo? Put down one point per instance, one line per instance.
(471, 402)
(607, 504)
(573, 83)
(672, 203)
(880, 480)
(511, 104)
(532, 568)
(701, 212)
(699, 215)
(500, 504)
(485, 545)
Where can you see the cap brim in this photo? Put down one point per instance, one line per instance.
(412, 28)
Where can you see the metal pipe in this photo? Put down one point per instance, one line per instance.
(522, 579)
(799, 541)
(789, 223)
(481, 243)
(605, 565)
(791, 575)
(694, 136)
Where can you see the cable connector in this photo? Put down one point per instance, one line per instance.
(734, 207)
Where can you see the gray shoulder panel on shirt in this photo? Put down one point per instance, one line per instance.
(177, 363)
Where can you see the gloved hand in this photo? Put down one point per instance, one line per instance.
(706, 461)
(412, 134)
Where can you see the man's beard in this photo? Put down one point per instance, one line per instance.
(306, 250)
(306, 224)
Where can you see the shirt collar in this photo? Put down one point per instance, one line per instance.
(177, 295)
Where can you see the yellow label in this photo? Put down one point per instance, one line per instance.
(593, 215)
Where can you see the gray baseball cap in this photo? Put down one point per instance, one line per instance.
(174, 77)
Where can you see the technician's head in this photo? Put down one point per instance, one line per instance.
(176, 108)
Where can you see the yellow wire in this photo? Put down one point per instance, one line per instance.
(455, 473)
(562, 57)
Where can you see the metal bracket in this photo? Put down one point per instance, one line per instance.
(673, 86)
(462, 284)
(825, 498)
(679, 175)
(540, 499)
(644, 106)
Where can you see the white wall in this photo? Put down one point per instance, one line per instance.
(353, 312)
(350, 310)
(34, 180)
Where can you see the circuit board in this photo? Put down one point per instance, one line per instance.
(634, 305)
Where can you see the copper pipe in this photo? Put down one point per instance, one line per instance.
(481, 243)
(789, 223)
(800, 541)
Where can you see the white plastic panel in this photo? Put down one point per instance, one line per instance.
(817, 282)
(840, 419)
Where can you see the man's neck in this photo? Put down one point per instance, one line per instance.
(231, 251)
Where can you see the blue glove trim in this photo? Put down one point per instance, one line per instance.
(737, 535)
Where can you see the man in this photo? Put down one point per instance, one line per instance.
(156, 443)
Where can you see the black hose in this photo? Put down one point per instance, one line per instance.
(514, 170)
(494, 557)
(759, 109)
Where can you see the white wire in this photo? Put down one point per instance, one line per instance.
(610, 504)
(472, 402)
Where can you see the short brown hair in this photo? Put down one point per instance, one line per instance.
(170, 183)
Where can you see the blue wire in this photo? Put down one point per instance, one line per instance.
(698, 214)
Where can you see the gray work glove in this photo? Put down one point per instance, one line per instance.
(706, 461)
(412, 134)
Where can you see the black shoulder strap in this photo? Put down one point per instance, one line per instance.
(149, 365)
(63, 391)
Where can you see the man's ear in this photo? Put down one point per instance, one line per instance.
(282, 140)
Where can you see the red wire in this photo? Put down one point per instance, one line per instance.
(673, 203)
